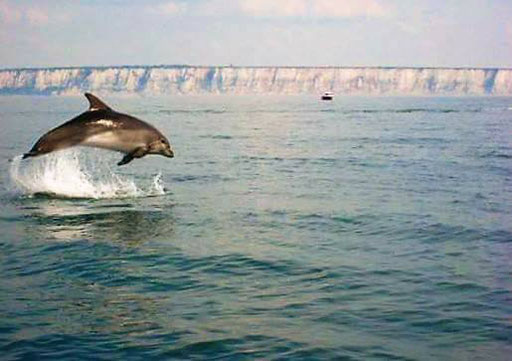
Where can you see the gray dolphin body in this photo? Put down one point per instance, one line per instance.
(102, 127)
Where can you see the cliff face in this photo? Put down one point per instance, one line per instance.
(257, 80)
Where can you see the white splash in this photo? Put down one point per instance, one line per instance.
(158, 185)
(70, 175)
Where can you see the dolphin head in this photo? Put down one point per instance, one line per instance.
(161, 146)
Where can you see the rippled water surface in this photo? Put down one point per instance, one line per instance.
(284, 228)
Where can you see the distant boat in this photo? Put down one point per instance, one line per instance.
(327, 96)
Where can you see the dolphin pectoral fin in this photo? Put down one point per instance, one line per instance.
(137, 153)
(126, 159)
(30, 154)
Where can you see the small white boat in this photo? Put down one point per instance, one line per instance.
(327, 96)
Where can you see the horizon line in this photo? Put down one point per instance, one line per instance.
(251, 67)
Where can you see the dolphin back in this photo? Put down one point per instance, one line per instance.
(64, 136)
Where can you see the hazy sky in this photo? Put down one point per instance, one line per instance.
(256, 32)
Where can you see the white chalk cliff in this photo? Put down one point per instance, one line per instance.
(257, 80)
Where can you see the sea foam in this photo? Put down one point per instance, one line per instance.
(78, 174)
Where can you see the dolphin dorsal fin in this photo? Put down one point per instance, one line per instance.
(95, 103)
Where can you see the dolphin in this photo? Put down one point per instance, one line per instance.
(102, 127)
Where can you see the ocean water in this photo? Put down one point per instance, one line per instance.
(285, 228)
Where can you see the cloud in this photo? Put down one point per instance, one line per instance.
(216, 8)
(273, 8)
(169, 8)
(313, 8)
(508, 35)
(37, 16)
(9, 13)
(348, 8)
(15, 13)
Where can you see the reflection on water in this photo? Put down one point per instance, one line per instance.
(69, 220)
(93, 308)
(94, 264)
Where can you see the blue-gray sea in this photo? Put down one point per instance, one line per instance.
(285, 228)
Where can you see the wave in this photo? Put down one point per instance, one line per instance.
(339, 110)
(415, 110)
(77, 174)
(497, 154)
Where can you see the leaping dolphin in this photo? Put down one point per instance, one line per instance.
(102, 127)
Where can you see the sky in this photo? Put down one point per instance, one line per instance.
(436, 33)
